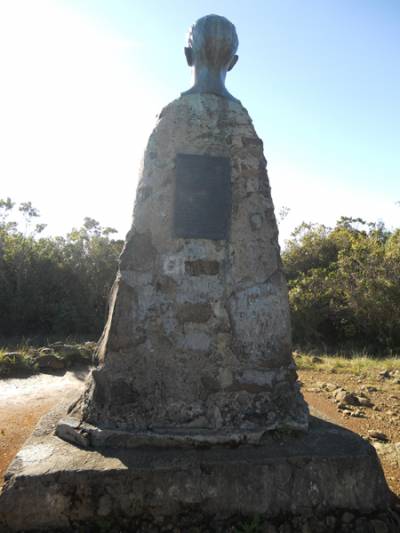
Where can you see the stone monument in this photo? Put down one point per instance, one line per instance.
(197, 345)
(196, 352)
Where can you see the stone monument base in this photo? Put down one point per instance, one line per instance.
(52, 484)
(87, 436)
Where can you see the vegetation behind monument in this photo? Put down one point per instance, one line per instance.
(344, 286)
(344, 282)
(53, 285)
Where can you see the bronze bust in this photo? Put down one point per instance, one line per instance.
(211, 51)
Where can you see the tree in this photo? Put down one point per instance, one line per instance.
(54, 285)
(344, 286)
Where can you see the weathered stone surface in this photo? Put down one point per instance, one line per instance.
(198, 334)
(69, 429)
(202, 267)
(190, 312)
(53, 484)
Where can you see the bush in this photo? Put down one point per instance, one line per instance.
(54, 285)
(344, 286)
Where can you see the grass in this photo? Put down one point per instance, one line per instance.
(16, 363)
(30, 342)
(356, 364)
(22, 360)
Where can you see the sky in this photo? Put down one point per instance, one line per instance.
(81, 83)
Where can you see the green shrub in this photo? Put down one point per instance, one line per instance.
(344, 287)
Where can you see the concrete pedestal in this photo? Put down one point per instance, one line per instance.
(198, 333)
(52, 484)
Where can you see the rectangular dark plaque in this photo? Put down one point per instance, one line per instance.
(202, 197)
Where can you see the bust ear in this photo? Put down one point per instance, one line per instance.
(189, 56)
(233, 62)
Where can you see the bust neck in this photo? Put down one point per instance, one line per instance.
(209, 80)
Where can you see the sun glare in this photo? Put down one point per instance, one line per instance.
(71, 101)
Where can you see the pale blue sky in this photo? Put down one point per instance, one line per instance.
(82, 82)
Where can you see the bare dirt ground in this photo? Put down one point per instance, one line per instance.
(379, 422)
(24, 401)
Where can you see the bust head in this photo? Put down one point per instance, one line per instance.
(211, 50)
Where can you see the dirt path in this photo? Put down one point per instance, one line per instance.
(23, 402)
(382, 416)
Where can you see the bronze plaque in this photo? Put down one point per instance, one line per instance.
(202, 197)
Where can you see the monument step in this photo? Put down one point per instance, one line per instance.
(53, 484)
